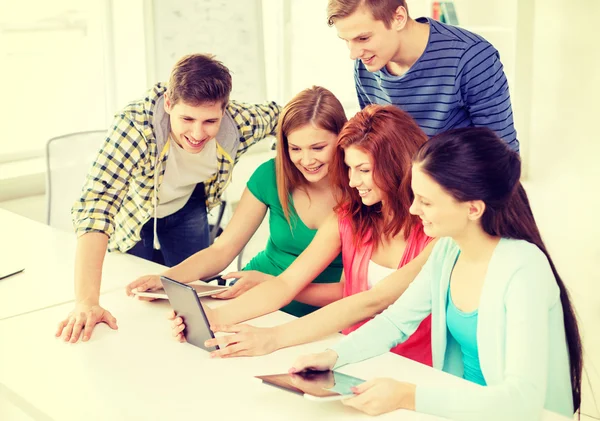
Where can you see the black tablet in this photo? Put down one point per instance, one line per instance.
(315, 385)
(185, 302)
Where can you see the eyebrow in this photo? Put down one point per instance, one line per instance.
(323, 143)
(361, 35)
(189, 117)
(357, 166)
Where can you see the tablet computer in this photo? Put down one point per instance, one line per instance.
(315, 385)
(185, 302)
(202, 290)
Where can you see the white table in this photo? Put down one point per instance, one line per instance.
(48, 256)
(141, 373)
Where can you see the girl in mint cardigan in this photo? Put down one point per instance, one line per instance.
(501, 315)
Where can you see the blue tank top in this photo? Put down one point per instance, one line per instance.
(463, 328)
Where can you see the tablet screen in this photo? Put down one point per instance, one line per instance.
(316, 383)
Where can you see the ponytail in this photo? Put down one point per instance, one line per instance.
(515, 220)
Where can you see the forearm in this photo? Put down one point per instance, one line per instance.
(265, 298)
(348, 311)
(89, 258)
(330, 319)
(320, 295)
(205, 263)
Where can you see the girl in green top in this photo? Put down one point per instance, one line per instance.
(294, 187)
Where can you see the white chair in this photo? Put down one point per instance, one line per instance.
(68, 160)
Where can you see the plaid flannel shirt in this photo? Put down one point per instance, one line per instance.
(118, 195)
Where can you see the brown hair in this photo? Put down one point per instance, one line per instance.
(199, 79)
(316, 106)
(391, 137)
(382, 10)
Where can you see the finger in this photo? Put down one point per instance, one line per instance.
(181, 338)
(61, 326)
(232, 292)
(66, 335)
(228, 351)
(110, 320)
(225, 341)
(77, 327)
(177, 322)
(145, 298)
(231, 275)
(300, 364)
(229, 329)
(171, 315)
(90, 323)
(363, 387)
(134, 285)
(144, 285)
(177, 330)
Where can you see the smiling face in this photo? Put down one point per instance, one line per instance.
(193, 126)
(311, 151)
(360, 174)
(442, 214)
(370, 40)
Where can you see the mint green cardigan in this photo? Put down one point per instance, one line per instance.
(521, 337)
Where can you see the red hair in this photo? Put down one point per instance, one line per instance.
(391, 138)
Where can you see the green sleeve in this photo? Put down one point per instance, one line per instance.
(263, 184)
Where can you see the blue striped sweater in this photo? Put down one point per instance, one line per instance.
(458, 81)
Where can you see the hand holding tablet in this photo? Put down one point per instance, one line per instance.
(315, 385)
(187, 306)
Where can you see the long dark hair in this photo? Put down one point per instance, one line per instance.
(475, 164)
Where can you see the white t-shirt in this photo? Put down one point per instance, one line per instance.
(376, 273)
(184, 170)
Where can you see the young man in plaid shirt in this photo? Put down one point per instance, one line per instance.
(166, 160)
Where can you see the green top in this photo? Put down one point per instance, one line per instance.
(285, 244)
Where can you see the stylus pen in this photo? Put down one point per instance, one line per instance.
(11, 274)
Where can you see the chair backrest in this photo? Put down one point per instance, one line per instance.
(68, 160)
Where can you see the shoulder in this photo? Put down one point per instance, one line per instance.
(466, 44)
(444, 249)
(526, 270)
(520, 253)
(263, 183)
(145, 106)
(265, 171)
(248, 111)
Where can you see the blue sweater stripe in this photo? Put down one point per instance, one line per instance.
(458, 82)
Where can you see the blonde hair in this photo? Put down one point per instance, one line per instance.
(318, 107)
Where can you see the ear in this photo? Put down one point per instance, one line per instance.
(167, 104)
(400, 18)
(476, 208)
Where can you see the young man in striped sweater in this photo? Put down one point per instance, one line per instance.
(444, 76)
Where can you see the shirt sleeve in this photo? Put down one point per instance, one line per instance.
(526, 363)
(254, 122)
(485, 93)
(262, 183)
(393, 326)
(108, 179)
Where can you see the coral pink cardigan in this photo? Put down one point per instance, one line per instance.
(356, 263)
